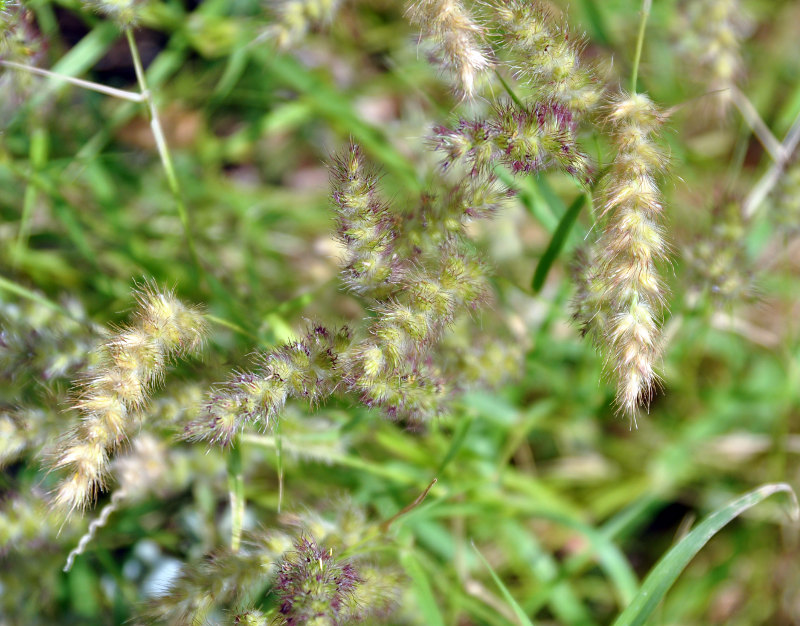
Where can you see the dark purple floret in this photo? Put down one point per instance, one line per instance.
(312, 584)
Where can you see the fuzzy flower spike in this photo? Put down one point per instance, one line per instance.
(712, 33)
(414, 271)
(123, 12)
(130, 363)
(546, 56)
(459, 38)
(620, 301)
(295, 18)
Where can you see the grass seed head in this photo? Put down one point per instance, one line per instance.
(130, 363)
(457, 39)
(294, 19)
(126, 13)
(620, 294)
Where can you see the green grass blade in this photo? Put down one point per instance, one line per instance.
(548, 194)
(335, 107)
(38, 160)
(422, 588)
(529, 195)
(557, 242)
(510, 91)
(597, 26)
(23, 292)
(611, 559)
(458, 441)
(524, 620)
(667, 570)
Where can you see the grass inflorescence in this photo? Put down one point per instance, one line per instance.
(129, 364)
(621, 301)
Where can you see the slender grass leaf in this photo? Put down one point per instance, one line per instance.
(422, 589)
(524, 620)
(81, 57)
(597, 26)
(557, 242)
(563, 601)
(24, 292)
(530, 197)
(234, 69)
(789, 111)
(552, 199)
(610, 557)
(458, 441)
(667, 570)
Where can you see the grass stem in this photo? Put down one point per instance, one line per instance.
(765, 137)
(767, 182)
(24, 292)
(646, 4)
(236, 491)
(163, 148)
(78, 82)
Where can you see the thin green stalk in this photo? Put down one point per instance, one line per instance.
(163, 148)
(646, 4)
(236, 490)
(510, 91)
(232, 325)
(279, 461)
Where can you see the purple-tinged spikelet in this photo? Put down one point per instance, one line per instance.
(313, 587)
(538, 138)
(417, 278)
(219, 580)
(20, 42)
(364, 226)
(300, 567)
(305, 369)
(251, 617)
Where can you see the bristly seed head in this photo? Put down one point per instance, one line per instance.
(126, 13)
(313, 587)
(546, 56)
(130, 363)
(620, 296)
(457, 38)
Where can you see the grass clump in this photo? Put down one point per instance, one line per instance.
(355, 196)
